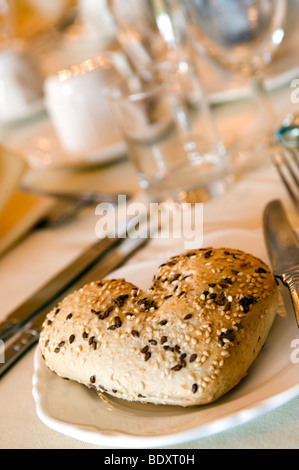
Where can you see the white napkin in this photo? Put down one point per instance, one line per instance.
(12, 168)
(18, 212)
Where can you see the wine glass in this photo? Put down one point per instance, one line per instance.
(149, 30)
(242, 36)
(137, 32)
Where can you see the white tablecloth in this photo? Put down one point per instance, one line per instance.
(44, 252)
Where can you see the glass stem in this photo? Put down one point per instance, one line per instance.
(264, 105)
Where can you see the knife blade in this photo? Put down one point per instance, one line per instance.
(283, 249)
(15, 348)
(23, 313)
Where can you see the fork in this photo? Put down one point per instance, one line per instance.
(74, 202)
(89, 197)
(287, 164)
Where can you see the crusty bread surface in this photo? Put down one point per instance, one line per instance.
(186, 341)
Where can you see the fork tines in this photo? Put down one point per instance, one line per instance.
(287, 164)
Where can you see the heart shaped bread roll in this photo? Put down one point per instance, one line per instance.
(187, 340)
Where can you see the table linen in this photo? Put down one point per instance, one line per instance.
(42, 253)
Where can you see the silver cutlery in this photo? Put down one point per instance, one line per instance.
(286, 159)
(70, 203)
(287, 165)
(283, 249)
(89, 197)
(288, 135)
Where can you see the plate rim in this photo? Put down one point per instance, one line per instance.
(101, 437)
(35, 107)
(106, 154)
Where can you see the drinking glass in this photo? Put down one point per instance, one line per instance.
(169, 132)
(149, 30)
(242, 36)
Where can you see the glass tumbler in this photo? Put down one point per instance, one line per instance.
(171, 139)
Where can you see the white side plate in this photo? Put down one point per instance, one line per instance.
(76, 411)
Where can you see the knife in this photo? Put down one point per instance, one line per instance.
(31, 307)
(283, 250)
(14, 348)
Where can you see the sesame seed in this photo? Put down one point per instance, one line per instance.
(193, 357)
(147, 355)
(163, 339)
(225, 353)
(71, 339)
(152, 341)
(167, 297)
(177, 367)
(188, 316)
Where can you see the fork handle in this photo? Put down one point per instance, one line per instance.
(88, 197)
(292, 281)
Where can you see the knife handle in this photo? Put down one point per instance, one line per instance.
(292, 281)
(17, 348)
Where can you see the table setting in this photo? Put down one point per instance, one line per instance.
(149, 212)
